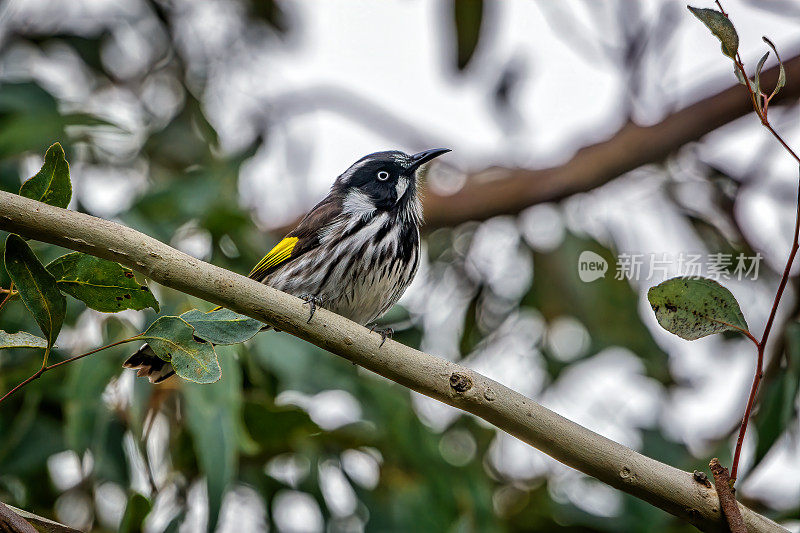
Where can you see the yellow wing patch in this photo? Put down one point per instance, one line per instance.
(280, 253)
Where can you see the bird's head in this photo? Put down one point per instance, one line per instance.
(384, 180)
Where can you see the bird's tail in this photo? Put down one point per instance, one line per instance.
(153, 367)
(149, 364)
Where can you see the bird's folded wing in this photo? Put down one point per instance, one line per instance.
(280, 253)
(300, 240)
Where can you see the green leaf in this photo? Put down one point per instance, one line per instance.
(173, 340)
(721, 27)
(135, 512)
(757, 82)
(467, 18)
(739, 74)
(759, 68)
(36, 286)
(214, 419)
(270, 12)
(693, 308)
(778, 396)
(222, 326)
(781, 72)
(30, 114)
(273, 427)
(102, 285)
(92, 425)
(21, 339)
(51, 184)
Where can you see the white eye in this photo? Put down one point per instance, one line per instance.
(383, 175)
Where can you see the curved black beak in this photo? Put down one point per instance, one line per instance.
(417, 160)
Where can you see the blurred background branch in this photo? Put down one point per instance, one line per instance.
(503, 191)
(507, 191)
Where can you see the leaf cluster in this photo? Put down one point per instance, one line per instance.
(186, 341)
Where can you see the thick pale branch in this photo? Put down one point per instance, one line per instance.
(666, 487)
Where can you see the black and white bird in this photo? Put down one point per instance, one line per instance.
(354, 253)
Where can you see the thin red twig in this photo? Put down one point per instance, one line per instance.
(81, 356)
(763, 114)
(8, 296)
(780, 139)
(751, 337)
(34, 376)
(750, 401)
(45, 368)
(761, 345)
(750, 91)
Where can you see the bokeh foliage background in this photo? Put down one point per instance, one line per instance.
(293, 438)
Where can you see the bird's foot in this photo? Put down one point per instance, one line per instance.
(383, 332)
(312, 301)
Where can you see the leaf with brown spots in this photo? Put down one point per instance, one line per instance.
(721, 27)
(173, 340)
(21, 339)
(693, 308)
(102, 285)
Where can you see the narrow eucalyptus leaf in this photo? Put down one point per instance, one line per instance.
(37, 287)
(693, 308)
(781, 71)
(468, 19)
(102, 285)
(777, 397)
(21, 339)
(781, 80)
(222, 326)
(213, 416)
(721, 27)
(136, 511)
(51, 184)
(172, 339)
(739, 75)
(759, 68)
(757, 82)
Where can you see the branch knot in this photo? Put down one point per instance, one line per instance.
(460, 382)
